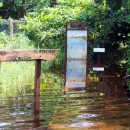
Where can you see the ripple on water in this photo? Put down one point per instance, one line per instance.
(82, 124)
(4, 124)
(87, 115)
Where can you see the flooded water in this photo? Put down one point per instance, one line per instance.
(97, 99)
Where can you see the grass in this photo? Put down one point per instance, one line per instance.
(15, 77)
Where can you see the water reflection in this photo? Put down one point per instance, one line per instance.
(104, 106)
(75, 79)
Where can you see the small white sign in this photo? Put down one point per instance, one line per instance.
(98, 68)
(98, 49)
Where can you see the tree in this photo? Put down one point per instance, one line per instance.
(109, 26)
(11, 9)
(17, 8)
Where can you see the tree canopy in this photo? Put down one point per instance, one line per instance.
(18, 8)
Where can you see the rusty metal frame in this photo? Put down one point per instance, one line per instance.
(76, 26)
(80, 26)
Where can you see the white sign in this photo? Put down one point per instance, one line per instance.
(98, 68)
(98, 49)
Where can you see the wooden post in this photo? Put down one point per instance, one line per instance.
(28, 55)
(11, 27)
(37, 93)
(36, 111)
(98, 51)
(37, 77)
(98, 59)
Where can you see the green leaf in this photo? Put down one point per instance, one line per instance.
(1, 4)
(102, 94)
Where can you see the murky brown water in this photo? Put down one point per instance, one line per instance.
(98, 102)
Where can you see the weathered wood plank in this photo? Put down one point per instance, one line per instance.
(27, 55)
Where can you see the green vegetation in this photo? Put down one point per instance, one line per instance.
(15, 76)
(18, 8)
(109, 26)
(109, 22)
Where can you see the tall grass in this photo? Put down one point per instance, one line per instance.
(15, 77)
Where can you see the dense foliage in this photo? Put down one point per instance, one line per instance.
(109, 22)
(48, 28)
(18, 8)
(108, 28)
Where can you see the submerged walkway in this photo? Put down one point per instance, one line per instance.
(102, 104)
